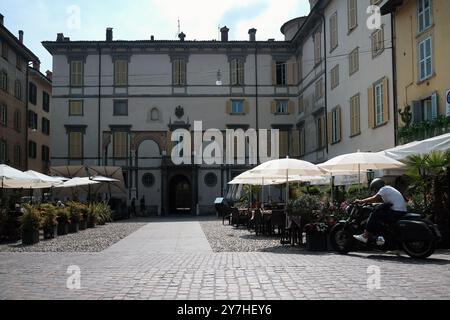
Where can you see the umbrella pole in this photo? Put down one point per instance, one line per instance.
(331, 187)
(359, 176)
(262, 194)
(287, 195)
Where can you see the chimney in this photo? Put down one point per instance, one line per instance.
(60, 37)
(224, 34)
(36, 65)
(152, 38)
(21, 36)
(109, 34)
(181, 36)
(252, 33)
(1, 19)
(49, 75)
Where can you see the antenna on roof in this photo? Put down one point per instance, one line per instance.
(179, 29)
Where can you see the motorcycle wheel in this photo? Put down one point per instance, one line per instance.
(419, 249)
(341, 240)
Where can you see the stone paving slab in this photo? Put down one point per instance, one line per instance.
(122, 272)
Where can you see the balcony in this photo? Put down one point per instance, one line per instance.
(423, 130)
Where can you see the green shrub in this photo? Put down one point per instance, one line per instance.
(48, 214)
(62, 215)
(101, 212)
(306, 206)
(31, 219)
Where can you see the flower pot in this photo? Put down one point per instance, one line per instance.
(30, 237)
(316, 241)
(63, 229)
(91, 224)
(82, 225)
(50, 232)
(74, 227)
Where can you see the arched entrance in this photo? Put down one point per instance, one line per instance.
(180, 195)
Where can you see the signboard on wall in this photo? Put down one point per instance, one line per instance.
(447, 99)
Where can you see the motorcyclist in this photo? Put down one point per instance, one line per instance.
(393, 210)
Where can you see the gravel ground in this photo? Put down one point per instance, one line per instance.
(225, 238)
(90, 240)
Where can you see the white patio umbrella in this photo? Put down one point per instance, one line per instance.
(44, 181)
(77, 182)
(15, 179)
(355, 162)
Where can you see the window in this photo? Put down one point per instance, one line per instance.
(302, 141)
(120, 72)
(179, 72)
(352, 12)
(237, 107)
(3, 115)
(426, 109)
(353, 61)
(320, 131)
(45, 154)
(281, 73)
(18, 62)
(45, 101)
(211, 179)
(4, 80)
(378, 104)
(301, 105)
(335, 125)
(45, 126)
(237, 72)
(32, 120)
(317, 48)
(333, 32)
(76, 73)
(76, 108)
(377, 42)
(318, 91)
(17, 121)
(120, 107)
(154, 114)
(120, 139)
(425, 59)
(148, 180)
(3, 151)
(17, 155)
(5, 50)
(282, 107)
(32, 149)
(335, 77)
(32, 96)
(284, 143)
(355, 118)
(75, 145)
(424, 14)
(18, 89)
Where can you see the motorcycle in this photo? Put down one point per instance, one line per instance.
(413, 233)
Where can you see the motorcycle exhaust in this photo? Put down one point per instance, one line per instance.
(380, 241)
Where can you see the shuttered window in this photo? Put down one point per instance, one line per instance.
(237, 72)
(335, 77)
(425, 59)
(284, 143)
(75, 108)
(18, 90)
(75, 145)
(377, 42)
(336, 125)
(17, 121)
(317, 48)
(179, 72)
(378, 103)
(120, 139)
(333, 31)
(352, 12)
(3, 115)
(4, 80)
(319, 89)
(424, 14)
(320, 131)
(76, 73)
(121, 72)
(17, 155)
(353, 61)
(355, 115)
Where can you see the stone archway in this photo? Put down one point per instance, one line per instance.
(180, 195)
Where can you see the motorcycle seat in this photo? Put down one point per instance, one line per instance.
(411, 216)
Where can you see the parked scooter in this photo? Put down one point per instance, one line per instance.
(413, 233)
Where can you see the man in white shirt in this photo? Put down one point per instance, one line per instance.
(389, 196)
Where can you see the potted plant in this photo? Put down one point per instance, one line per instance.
(316, 236)
(49, 221)
(75, 218)
(104, 213)
(30, 224)
(78, 215)
(91, 215)
(63, 219)
(84, 216)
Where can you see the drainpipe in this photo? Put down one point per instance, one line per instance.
(99, 152)
(394, 76)
(27, 95)
(321, 14)
(257, 104)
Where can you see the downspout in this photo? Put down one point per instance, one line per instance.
(27, 117)
(326, 76)
(257, 104)
(394, 76)
(99, 154)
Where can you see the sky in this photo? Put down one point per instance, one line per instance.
(41, 20)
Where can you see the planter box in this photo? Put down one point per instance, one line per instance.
(50, 232)
(82, 225)
(30, 237)
(63, 229)
(316, 241)
(74, 227)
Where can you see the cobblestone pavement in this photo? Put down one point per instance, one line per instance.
(140, 274)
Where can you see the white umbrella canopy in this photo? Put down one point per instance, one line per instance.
(77, 182)
(257, 179)
(44, 180)
(15, 179)
(287, 167)
(360, 161)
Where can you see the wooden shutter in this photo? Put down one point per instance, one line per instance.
(290, 72)
(385, 100)
(274, 73)
(434, 106)
(339, 122)
(371, 108)
(291, 107)
(234, 72)
(273, 107)
(228, 107)
(330, 127)
(246, 106)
